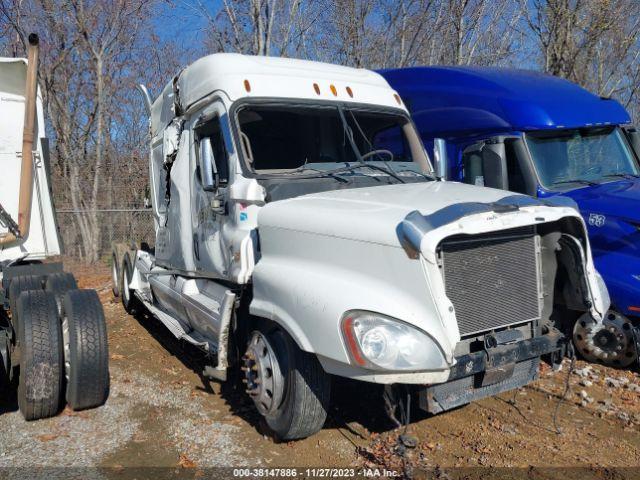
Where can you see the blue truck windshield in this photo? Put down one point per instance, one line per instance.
(581, 156)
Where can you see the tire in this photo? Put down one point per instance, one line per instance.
(86, 350)
(304, 403)
(59, 284)
(130, 302)
(18, 285)
(115, 276)
(41, 358)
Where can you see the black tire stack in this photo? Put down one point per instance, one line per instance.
(60, 344)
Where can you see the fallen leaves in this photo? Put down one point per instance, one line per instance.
(186, 462)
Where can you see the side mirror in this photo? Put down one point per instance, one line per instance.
(440, 158)
(494, 165)
(634, 139)
(207, 165)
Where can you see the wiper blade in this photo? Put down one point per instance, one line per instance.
(425, 175)
(355, 166)
(577, 180)
(621, 175)
(319, 173)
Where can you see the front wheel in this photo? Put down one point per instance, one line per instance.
(288, 386)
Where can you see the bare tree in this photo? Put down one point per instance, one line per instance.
(593, 43)
(258, 27)
(89, 48)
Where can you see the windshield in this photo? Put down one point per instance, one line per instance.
(581, 156)
(308, 140)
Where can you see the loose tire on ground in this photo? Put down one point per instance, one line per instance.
(59, 284)
(18, 285)
(130, 302)
(304, 401)
(86, 350)
(41, 357)
(115, 276)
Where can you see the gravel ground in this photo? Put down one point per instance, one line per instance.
(161, 414)
(138, 407)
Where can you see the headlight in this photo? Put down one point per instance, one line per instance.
(382, 343)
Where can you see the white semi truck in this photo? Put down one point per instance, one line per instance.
(53, 339)
(302, 233)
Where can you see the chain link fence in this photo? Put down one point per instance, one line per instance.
(116, 224)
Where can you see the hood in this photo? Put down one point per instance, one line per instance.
(612, 199)
(373, 214)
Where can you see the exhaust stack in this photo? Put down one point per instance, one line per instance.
(26, 172)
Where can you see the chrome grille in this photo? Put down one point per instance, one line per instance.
(492, 279)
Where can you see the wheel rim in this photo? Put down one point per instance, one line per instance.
(610, 342)
(262, 374)
(114, 273)
(66, 348)
(125, 288)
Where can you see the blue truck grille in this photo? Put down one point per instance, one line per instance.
(492, 279)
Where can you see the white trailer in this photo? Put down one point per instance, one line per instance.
(53, 340)
(301, 233)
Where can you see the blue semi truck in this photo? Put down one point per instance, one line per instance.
(540, 135)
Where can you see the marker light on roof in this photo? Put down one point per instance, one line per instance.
(350, 92)
(398, 99)
(333, 90)
(247, 86)
(316, 87)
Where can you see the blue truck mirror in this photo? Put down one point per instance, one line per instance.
(633, 135)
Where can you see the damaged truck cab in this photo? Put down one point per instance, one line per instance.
(297, 239)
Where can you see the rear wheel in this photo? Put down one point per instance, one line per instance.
(18, 285)
(288, 386)
(115, 276)
(41, 358)
(85, 350)
(59, 284)
(130, 302)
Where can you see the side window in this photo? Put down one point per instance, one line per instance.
(212, 132)
(514, 170)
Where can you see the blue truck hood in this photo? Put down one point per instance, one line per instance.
(619, 199)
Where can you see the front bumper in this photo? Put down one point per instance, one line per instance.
(489, 372)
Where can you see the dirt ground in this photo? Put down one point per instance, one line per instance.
(162, 413)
